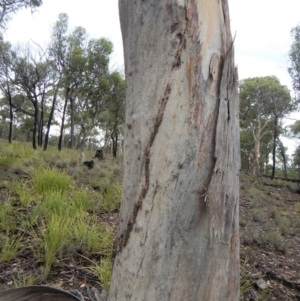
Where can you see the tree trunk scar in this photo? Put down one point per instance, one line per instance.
(122, 241)
(181, 47)
(222, 64)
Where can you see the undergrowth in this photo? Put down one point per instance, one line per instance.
(53, 210)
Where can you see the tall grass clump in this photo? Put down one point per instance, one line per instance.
(6, 161)
(23, 150)
(81, 200)
(112, 198)
(46, 180)
(7, 215)
(55, 237)
(9, 248)
(103, 271)
(55, 204)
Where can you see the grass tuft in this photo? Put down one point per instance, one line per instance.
(49, 180)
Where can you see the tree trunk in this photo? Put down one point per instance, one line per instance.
(178, 234)
(51, 117)
(114, 138)
(274, 147)
(40, 126)
(256, 152)
(36, 123)
(11, 116)
(72, 122)
(60, 140)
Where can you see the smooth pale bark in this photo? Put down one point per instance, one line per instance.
(178, 233)
(256, 150)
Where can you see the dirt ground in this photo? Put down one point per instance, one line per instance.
(270, 239)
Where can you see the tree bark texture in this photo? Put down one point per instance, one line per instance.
(274, 146)
(178, 234)
(256, 152)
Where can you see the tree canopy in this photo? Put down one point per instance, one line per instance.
(264, 102)
(69, 81)
(9, 7)
(294, 55)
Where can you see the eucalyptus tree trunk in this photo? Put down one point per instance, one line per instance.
(275, 136)
(256, 152)
(178, 233)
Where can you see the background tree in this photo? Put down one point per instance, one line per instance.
(94, 91)
(32, 72)
(9, 7)
(112, 117)
(263, 101)
(71, 79)
(6, 80)
(57, 59)
(294, 55)
(178, 233)
(296, 160)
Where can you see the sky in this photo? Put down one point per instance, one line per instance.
(262, 29)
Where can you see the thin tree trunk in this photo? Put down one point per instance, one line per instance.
(40, 127)
(256, 152)
(41, 123)
(72, 123)
(178, 235)
(60, 140)
(114, 138)
(50, 117)
(36, 123)
(11, 116)
(274, 147)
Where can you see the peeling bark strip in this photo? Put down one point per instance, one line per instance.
(121, 243)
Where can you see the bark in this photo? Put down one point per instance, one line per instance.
(256, 152)
(11, 116)
(274, 146)
(178, 234)
(60, 140)
(72, 100)
(51, 117)
(114, 145)
(36, 124)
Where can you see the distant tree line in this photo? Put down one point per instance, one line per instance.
(67, 85)
(264, 103)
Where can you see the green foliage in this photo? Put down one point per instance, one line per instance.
(294, 54)
(8, 8)
(7, 215)
(264, 102)
(6, 161)
(75, 70)
(112, 198)
(104, 271)
(54, 238)
(257, 194)
(57, 215)
(49, 180)
(9, 248)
